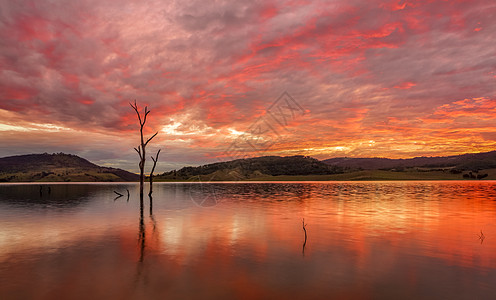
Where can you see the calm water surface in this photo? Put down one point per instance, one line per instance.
(366, 240)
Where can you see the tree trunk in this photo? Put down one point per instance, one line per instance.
(151, 173)
(142, 147)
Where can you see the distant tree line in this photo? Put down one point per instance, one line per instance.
(268, 165)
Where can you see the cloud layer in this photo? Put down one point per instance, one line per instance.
(376, 78)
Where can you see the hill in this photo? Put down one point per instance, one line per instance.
(250, 168)
(57, 167)
(464, 162)
(67, 167)
(269, 168)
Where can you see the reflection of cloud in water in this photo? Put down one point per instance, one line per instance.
(365, 240)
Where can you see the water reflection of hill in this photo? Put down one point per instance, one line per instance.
(49, 195)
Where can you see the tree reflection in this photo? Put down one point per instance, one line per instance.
(142, 242)
(142, 232)
(152, 218)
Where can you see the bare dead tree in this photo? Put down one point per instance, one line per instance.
(141, 149)
(155, 159)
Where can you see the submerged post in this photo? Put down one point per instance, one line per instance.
(305, 231)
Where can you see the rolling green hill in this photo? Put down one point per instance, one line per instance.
(273, 168)
(250, 168)
(57, 167)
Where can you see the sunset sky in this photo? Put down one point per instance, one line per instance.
(394, 79)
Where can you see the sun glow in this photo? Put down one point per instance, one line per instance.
(33, 127)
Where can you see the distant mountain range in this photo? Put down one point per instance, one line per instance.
(269, 166)
(256, 167)
(58, 167)
(464, 162)
(67, 167)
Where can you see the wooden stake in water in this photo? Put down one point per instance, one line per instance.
(305, 231)
(482, 236)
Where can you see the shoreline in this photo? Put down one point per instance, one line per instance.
(358, 176)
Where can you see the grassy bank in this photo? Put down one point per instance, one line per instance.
(367, 175)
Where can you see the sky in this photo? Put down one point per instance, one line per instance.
(230, 79)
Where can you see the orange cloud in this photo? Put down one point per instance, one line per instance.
(387, 72)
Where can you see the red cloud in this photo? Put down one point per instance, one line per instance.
(405, 85)
(364, 70)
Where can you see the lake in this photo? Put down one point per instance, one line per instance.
(366, 240)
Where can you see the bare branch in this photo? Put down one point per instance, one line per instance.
(138, 150)
(155, 158)
(146, 114)
(153, 168)
(135, 107)
(151, 138)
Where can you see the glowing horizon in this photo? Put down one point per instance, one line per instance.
(395, 79)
